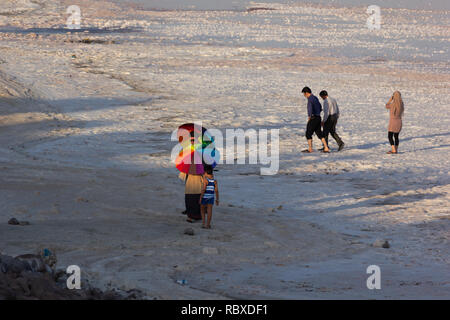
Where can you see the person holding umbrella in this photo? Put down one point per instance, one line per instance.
(192, 189)
(194, 141)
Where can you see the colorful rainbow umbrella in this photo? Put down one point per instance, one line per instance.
(197, 149)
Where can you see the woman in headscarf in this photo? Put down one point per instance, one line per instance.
(192, 192)
(396, 109)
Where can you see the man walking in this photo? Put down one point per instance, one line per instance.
(330, 118)
(314, 122)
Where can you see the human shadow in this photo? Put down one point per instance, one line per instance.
(90, 30)
(428, 148)
(13, 105)
(373, 145)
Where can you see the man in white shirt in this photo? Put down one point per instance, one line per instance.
(330, 118)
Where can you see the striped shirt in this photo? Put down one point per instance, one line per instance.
(210, 188)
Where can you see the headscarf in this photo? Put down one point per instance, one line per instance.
(397, 104)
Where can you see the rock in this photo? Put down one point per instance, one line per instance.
(189, 231)
(14, 222)
(61, 276)
(11, 265)
(272, 244)
(133, 294)
(19, 282)
(35, 262)
(381, 244)
(207, 250)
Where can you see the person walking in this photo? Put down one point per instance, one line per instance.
(210, 188)
(396, 110)
(314, 121)
(330, 118)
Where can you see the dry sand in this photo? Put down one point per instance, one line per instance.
(63, 170)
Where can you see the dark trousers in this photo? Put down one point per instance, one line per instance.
(330, 127)
(314, 125)
(192, 206)
(391, 136)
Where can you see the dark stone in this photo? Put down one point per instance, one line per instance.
(14, 222)
(13, 265)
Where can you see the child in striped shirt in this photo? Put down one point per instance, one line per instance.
(207, 196)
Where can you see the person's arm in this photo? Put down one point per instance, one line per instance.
(182, 176)
(205, 182)
(310, 108)
(217, 193)
(388, 105)
(326, 109)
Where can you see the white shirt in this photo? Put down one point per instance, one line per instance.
(330, 107)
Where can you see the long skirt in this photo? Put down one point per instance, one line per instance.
(192, 206)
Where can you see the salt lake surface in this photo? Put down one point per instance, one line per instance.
(244, 4)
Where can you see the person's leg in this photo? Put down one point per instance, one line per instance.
(397, 141)
(310, 145)
(334, 133)
(309, 133)
(196, 207)
(193, 209)
(185, 204)
(317, 128)
(209, 215)
(325, 146)
(188, 198)
(326, 129)
(203, 209)
(391, 141)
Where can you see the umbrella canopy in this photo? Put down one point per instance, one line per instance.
(198, 149)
